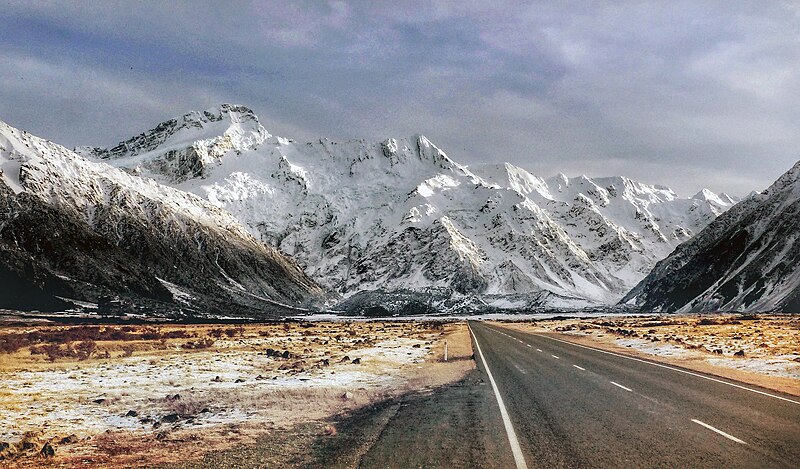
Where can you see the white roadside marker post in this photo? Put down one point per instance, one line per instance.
(445, 350)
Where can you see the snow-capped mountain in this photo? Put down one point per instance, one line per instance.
(747, 259)
(400, 215)
(88, 232)
(624, 225)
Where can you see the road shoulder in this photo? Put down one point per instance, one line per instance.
(695, 362)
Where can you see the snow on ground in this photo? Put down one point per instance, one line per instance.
(235, 382)
(766, 344)
(663, 350)
(783, 365)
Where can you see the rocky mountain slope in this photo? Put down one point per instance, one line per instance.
(748, 259)
(401, 216)
(73, 231)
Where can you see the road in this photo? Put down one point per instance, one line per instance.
(539, 401)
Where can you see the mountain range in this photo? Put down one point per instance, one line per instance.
(381, 222)
(208, 214)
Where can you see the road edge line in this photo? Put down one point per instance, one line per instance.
(669, 368)
(516, 450)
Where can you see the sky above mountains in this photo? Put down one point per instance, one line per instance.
(688, 94)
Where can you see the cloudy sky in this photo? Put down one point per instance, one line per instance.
(686, 94)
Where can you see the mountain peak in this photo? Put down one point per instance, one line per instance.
(707, 195)
(227, 121)
(234, 113)
(789, 182)
(184, 146)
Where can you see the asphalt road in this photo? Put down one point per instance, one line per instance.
(565, 405)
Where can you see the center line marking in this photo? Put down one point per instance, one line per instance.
(553, 356)
(621, 386)
(528, 345)
(538, 350)
(519, 459)
(582, 369)
(730, 437)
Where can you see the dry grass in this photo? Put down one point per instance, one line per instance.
(148, 394)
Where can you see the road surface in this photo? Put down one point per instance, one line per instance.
(539, 401)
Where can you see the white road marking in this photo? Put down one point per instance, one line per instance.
(673, 369)
(553, 356)
(528, 345)
(519, 459)
(521, 370)
(582, 369)
(730, 437)
(621, 386)
(538, 350)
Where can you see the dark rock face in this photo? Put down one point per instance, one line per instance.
(747, 259)
(429, 247)
(87, 232)
(49, 252)
(27, 288)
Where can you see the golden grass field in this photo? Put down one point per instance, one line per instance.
(143, 395)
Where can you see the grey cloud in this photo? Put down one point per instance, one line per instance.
(687, 94)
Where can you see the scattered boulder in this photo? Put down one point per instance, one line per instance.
(329, 430)
(47, 450)
(347, 395)
(132, 413)
(6, 450)
(239, 380)
(718, 351)
(216, 379)
(356, 361)
(27, 444)
(345, 359)
(740, 353)
(68, 440)
(170, 418)
(99, 401)
(174, 397)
